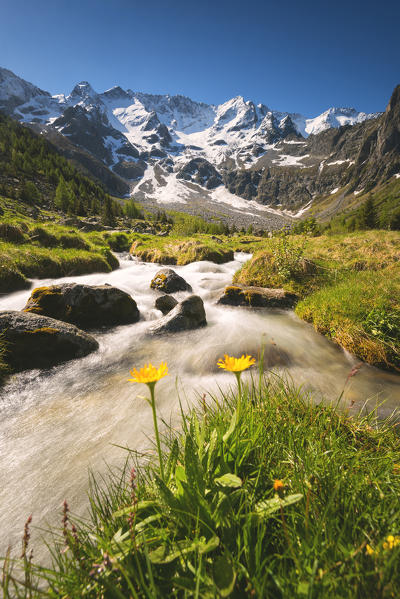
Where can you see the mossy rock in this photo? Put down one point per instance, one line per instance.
(118, 242)
(34, 341)
(195, 251)
(168, 281)
(87, 306)
(11, 233)
(12, 280)
(257, 297)
(73, 242)
(111, 259)
(43, 237)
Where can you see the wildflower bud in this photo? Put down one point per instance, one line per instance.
(279, 487)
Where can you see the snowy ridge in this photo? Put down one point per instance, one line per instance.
(149, 139)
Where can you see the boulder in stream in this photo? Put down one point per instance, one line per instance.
(168, 281)
(87, 306)
(257, 297)
(165, 303)
(188, 314)
(35, 341)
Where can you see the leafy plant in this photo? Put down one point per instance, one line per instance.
(383, 323)
(288, 255)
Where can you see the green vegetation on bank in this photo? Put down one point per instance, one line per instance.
(177, 248)
(181, 250)
(219, 523)
(45, 249)
(348, 284)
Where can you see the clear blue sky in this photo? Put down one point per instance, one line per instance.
(294, 56)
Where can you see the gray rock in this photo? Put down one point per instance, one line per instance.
(202, 172)
(257, 297)
(188, 314)
(165, 303)
(87, 306)
(35, 341)
(168, 281)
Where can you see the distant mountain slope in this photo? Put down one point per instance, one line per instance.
(237, 156)
(31, 169)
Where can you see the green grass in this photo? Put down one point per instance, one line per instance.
(44, 248)
(361, 313)
(26, 260)
(215, 527)
(348, 284)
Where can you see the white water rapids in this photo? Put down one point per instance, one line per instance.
(57, 424)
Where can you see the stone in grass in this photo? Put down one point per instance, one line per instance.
(87, 306)
(168, 281)
(35, 341)
(165, 303)
(188, 314)
(257, 297)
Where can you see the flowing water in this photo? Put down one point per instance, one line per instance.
(58, 424)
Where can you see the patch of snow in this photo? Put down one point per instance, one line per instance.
(356, 193)
(336, 162)
(302, 210)
(290, 213)
(334, 191)
(397, 175)
(287, 160)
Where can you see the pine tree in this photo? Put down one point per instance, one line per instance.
(29, 193)
(368, 216)
(107, 212)
(62, 197)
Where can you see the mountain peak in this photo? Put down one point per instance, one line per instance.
(15, 91)
(394, 100)
(117, 92)
(83, 89)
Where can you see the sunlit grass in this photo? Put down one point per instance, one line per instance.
(348, 285)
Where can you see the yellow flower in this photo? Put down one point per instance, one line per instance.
(391, 542)
(369, 550)
(278, 485)
(149, 373)
(235, 364)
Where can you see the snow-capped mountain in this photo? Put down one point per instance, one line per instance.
(15, 91)
(156, 125)
(171, 148)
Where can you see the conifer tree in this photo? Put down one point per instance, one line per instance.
(62, 196)
(107, 212)
(368, 217)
